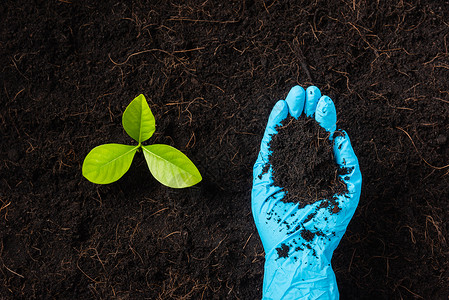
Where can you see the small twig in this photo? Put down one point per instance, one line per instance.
(158, 211)
(286, 125)
(188, 143)
(244, 246)
(416, 295)
(215, 86)
(445, 101)
(174, 232)
(5, 206)
(266, 9)
(15, 273)
(15, 65)
(211, 251)
(352, 258)
(412, 237)
(79, 268)
(413, 143)
(302, 60)
(203, 21)
(153, 50)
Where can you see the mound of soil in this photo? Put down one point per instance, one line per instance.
(303, 162)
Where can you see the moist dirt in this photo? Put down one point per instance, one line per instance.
(211, 72)
(303, 162)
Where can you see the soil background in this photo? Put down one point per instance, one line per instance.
(211, 72)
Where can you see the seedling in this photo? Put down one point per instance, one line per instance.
(109, 162)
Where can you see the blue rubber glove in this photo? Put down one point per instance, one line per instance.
(299, 242)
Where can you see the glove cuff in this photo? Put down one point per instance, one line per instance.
(298, 277)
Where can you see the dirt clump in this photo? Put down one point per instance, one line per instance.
(303, 162)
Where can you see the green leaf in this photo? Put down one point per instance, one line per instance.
(138, 120)
(108, 163)
(170, 166)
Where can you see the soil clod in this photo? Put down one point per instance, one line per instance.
(303, 163)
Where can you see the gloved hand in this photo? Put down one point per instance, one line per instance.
(299, 242)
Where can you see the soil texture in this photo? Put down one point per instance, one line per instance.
(303, 163)
(211, 72)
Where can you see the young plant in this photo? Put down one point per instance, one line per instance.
(109, 162)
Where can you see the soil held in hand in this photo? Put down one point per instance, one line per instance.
(303, 162)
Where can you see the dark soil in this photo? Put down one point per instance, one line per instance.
(303, 162)
(211, 72)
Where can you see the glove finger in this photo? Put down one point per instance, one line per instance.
(295, 100)
(262, 181)
(346, 158)
(313, 94)
(326, 114)
(277, 115)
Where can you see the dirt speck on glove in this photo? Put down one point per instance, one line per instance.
(283, 251)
